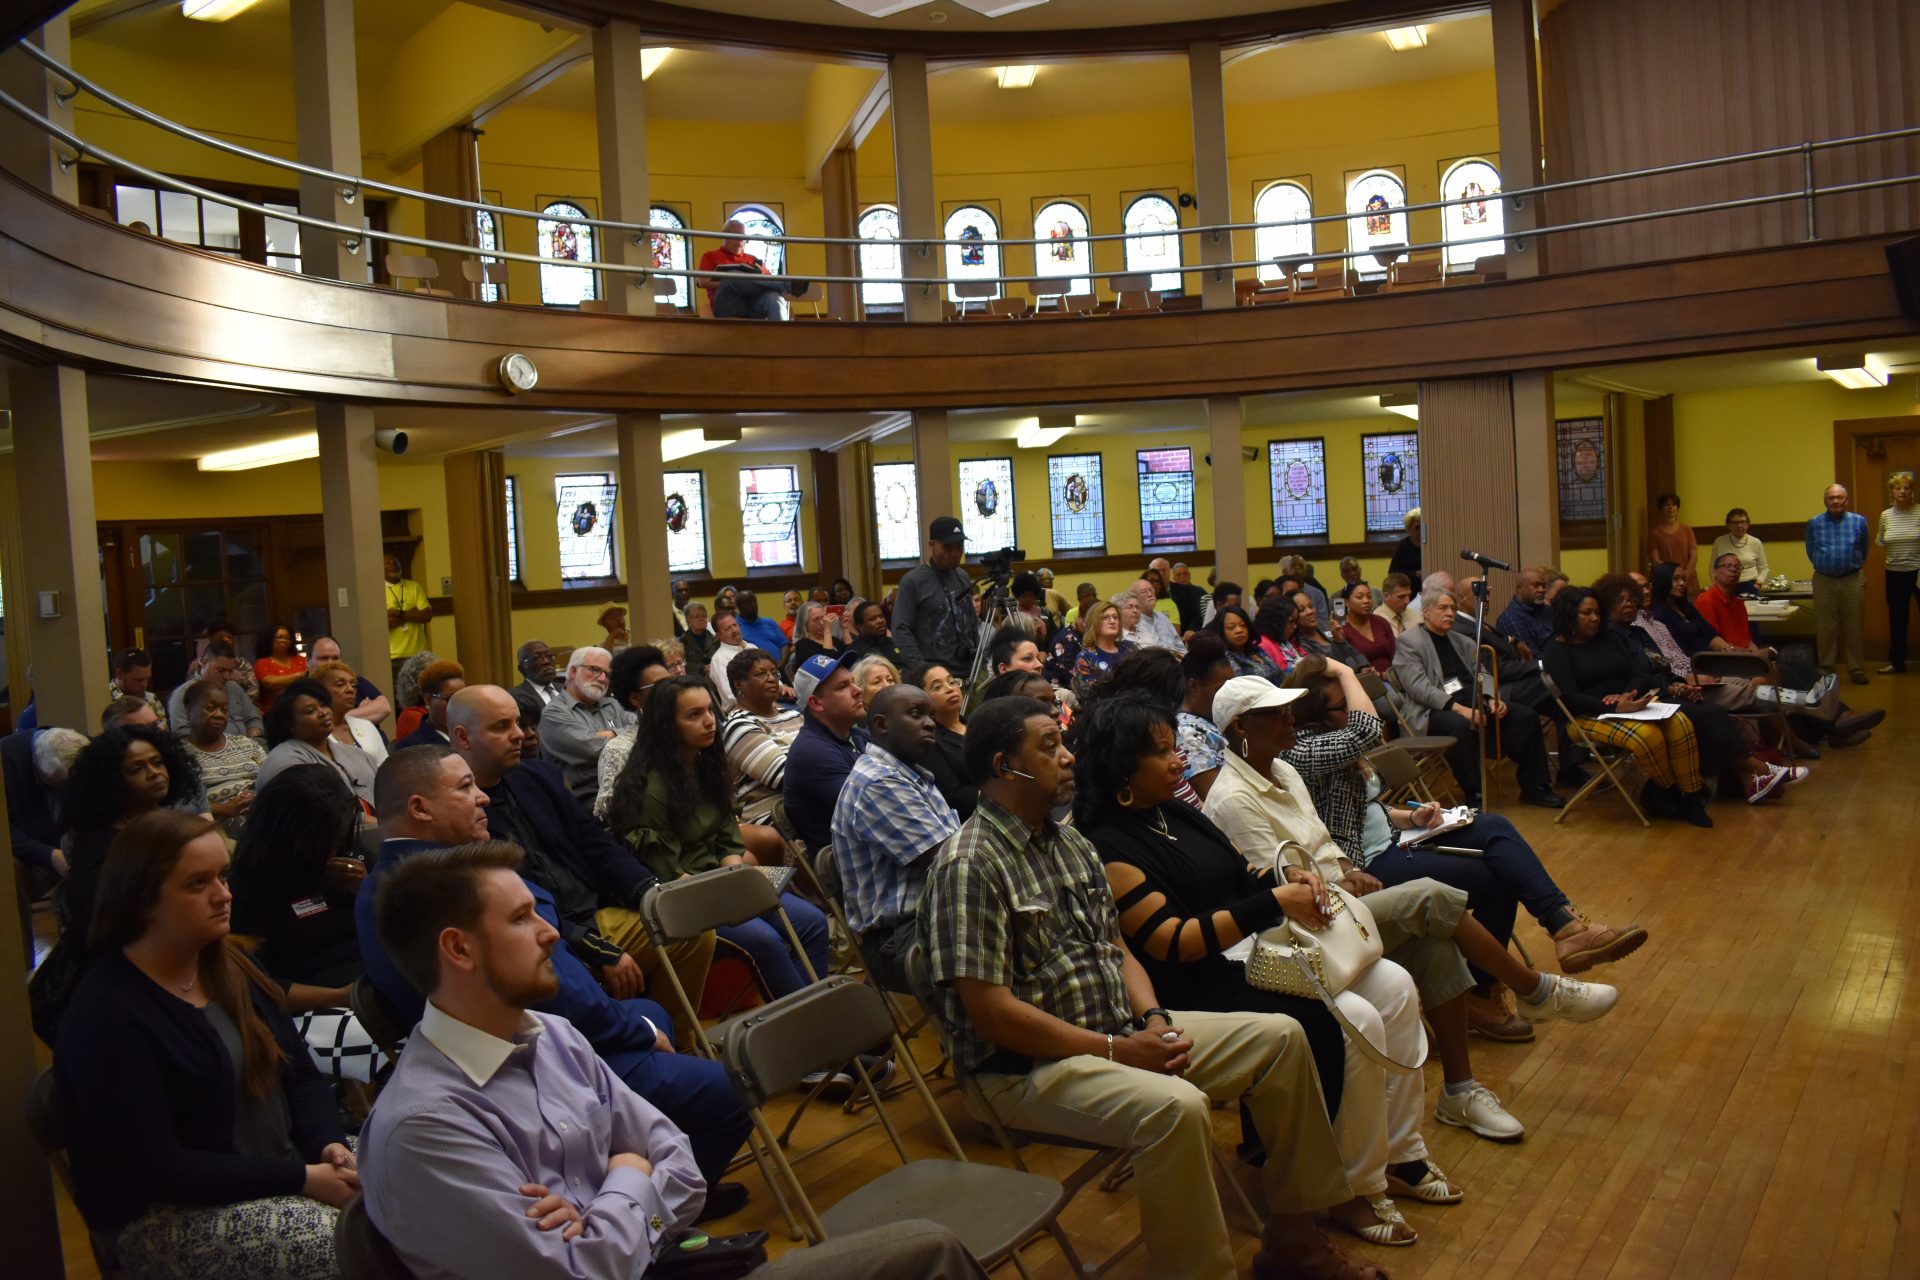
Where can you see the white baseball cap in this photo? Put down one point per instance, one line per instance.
(1248, 693)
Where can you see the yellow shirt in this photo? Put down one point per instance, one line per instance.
(408, 638)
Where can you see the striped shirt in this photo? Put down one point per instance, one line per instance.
(756, 748)
(1837, 547)
(889, 816)
(1900, 535)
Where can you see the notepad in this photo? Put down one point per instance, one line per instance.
(1450, 820)
(1652, 711)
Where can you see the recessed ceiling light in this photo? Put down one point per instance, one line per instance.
(1405, 39)
(1855, 373)
(215, 10)
(270, 454)
(1407, 406)
(1038, 433)
(1017, 77)
(650, 60)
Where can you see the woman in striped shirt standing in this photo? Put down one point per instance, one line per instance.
(1900, 535)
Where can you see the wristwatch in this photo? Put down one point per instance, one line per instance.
(1140, 1023)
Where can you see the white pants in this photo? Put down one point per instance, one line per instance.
(1380, 1110)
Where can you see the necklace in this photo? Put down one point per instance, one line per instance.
(1158, 825)
(187, 986)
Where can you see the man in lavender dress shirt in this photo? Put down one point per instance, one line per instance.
(504, 1145)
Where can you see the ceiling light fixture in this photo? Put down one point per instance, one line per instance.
(650, 60)
(985, 8)
(1407, 39)
(1855, 373)
(1040, 432)
(215, 10)
(270, 454)
(1407, 406)
(1018, 77)
(675, 445)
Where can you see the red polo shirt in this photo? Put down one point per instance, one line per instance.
(1728, 614)
(714, 259)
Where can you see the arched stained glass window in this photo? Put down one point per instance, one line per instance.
(1376, 208)
(1063, 226)
(879, 231)
(1159, 254)
(686, 514)
(971, 261)
(486, 235)
(1471, 230)
(760, 223)
(896, 511)
(1078, 502)
(986, 503)
(1282, 202)
(565, 242)
(1391, 483)
(670, 251)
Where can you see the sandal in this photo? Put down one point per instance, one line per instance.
(1433, 1187)
(1324, 1262)
(1383, 1226)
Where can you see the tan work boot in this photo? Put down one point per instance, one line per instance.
(1582, 944)
(1491, 1017)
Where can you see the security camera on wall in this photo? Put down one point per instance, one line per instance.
(1247, 454)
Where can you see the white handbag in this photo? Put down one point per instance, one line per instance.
(1319, 964)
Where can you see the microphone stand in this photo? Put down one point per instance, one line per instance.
(1479, 624)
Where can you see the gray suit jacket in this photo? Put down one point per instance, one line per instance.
(1416, 664)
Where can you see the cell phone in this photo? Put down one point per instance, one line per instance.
(694, 1255)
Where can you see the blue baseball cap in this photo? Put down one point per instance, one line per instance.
(815, 670)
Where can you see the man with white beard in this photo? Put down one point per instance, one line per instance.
(576, 726)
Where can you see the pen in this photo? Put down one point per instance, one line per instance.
(1448, 848)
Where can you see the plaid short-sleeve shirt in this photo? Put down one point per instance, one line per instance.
(1027, 909)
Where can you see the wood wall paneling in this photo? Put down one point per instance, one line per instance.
(1468, 483)
(477, 547)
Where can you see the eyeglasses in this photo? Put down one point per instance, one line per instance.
(593, 671)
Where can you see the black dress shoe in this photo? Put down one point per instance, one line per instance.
(723, 1200)
(1543, 799)
(1574, 777)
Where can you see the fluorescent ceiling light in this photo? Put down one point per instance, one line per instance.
(272, 453)
(996, 8)
(881, 8)
(1038, 433)
(1018, 77)
(650, 60)
(215, 10)
(1405, 405)
(1855, 373)
(675, 445)
(1406, 39)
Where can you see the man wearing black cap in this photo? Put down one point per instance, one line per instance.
(935, 618)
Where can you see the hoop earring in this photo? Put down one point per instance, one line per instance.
(1243, 749)
(1125, 797)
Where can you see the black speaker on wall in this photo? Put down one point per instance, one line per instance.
(1903, 264)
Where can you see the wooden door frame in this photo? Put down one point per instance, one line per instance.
(1849, 438)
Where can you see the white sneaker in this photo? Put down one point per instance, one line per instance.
(1480, 1111)
(1760, 786)
(1570, 999)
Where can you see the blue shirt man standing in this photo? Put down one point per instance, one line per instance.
(1837, 548)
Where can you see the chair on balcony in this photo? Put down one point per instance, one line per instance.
(595, 307)
(1009, 308)
(1415, 273)
(966, 291)
(1491, 267)
(815, 296)
(1135, 300)
(1319, 281)
(1256, 293)
(484, 273)
(1049, 295)
(402, 267)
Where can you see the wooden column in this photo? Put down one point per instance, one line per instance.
(840, 199)
(53, 492)
(932, 466)
(1210, 185)
(33, 1222)
(620, 119)
(1516, 83)
(13, 585)
(448, 167)
(24, 149)
(1468, 484)
(326, 100)
(477, 540)
(859, 543)
(643, 525)
(1230, 557)
(913, 184)
(350, 523)
(1536, 466)
(1624, 419)
(829, 513)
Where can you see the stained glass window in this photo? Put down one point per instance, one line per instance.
(986, 504)
(896, 510)
(486, 235)
(1583, 469)
(1282, 202)
(585, 521)
(513, 529)
(1063, 225)
(1077, 502)
(686, 515)
(760, 223)
(565, 242)
(1158, 254)
(1166, 497)
(1376, 205)
(879, 231)
(770, 516)
(970, 260)
(1297, 472)
(1392, 480)
(670, 252)
(1472, 230)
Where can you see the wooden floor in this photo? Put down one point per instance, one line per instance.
(1751, 1108)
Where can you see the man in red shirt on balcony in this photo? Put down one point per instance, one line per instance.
(737, 296)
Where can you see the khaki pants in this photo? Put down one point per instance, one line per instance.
(690, 960)
(1166, 1122)
(1837, 620)
(1417, 920)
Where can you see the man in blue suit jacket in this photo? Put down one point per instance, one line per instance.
(596, 882)
(428, 800)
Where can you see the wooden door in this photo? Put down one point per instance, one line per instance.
(1875, 450)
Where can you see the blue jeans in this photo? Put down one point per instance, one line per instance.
(692, 1092)
(1507, 874)
(765, 943)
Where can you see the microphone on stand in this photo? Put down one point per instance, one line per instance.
(1485, 562)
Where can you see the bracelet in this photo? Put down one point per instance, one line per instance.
(1109, 1046)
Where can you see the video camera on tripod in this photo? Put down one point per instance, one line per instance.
(999, 564)
(996, 605)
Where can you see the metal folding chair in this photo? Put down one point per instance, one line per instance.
(1756, 667)
(43, 1118)
(1614, 763)
(359, 1249)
